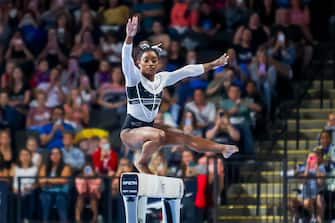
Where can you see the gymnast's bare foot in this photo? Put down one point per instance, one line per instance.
(229, 150)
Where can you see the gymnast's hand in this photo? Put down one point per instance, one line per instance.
(132, 26)
(222, 60)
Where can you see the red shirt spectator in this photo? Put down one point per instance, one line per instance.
(104, 158)
(182, 16)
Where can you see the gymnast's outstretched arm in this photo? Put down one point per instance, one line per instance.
(171, 78)
(131, 72)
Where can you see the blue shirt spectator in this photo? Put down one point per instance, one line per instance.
(73, 156)
(52, 133)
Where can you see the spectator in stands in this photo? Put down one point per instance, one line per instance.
(52, 133)
(25, 168)
(204, 111)
(54, 191)
(52, 52)
(207, 29)
(267, 10)
(283, 49)
(6, 77)
(19, 92)
(114, 15)
(257, 116)
(149, 11)
(188, 167)
(183, 17)
(86, 92)
(86, 51)
(41, 74)
(111, 47)
(239, 111)
(158, 164)
(8, 114)
(18, 51)
(218, 87)
(265, 76)
(103, 74)
(71, 75)
(84, 11)
(76, 111)
(6, 150)
(260, 33)
(33, 147)
(88, 187)
(310, 197)
(112, 94)
(4, 171)
(73, 156)
(64, 32)
(330, 126)
(242, 45)
(206, 166)
(87, 23)
(38, 114)
(223, 131)
(328, 149)
(175, 57)
(104, 158)
(235, 14)
(54, 90)
(282, 24)
(300, 15)
(158, 35)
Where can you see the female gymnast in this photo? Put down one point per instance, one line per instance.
(144, 92)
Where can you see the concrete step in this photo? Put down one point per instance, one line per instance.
(264, 166)
(265, 177)
(316, 93)
(328, 84)
(313, 113)
(250, 219)
(251, 199)
(291, 144)
(311, 134)
(299, 155)
(306, 124)
(247, 210)
(315, 103)
(265, 188)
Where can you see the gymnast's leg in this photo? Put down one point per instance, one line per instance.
(147, 139)
(199, 144)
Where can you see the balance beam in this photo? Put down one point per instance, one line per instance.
(137, 187)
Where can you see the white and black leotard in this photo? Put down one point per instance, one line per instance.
(144, 96)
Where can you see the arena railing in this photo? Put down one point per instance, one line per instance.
(13, 205)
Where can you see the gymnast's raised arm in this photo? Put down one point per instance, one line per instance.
(193, 70)
(131, 72)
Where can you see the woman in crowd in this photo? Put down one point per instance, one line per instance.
(76, 111)
(6, 150)
(25, 168)
(19, 91)
(88, 187)
(54, 191)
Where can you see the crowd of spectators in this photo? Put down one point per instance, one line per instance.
(61, 77)
(316, 194)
